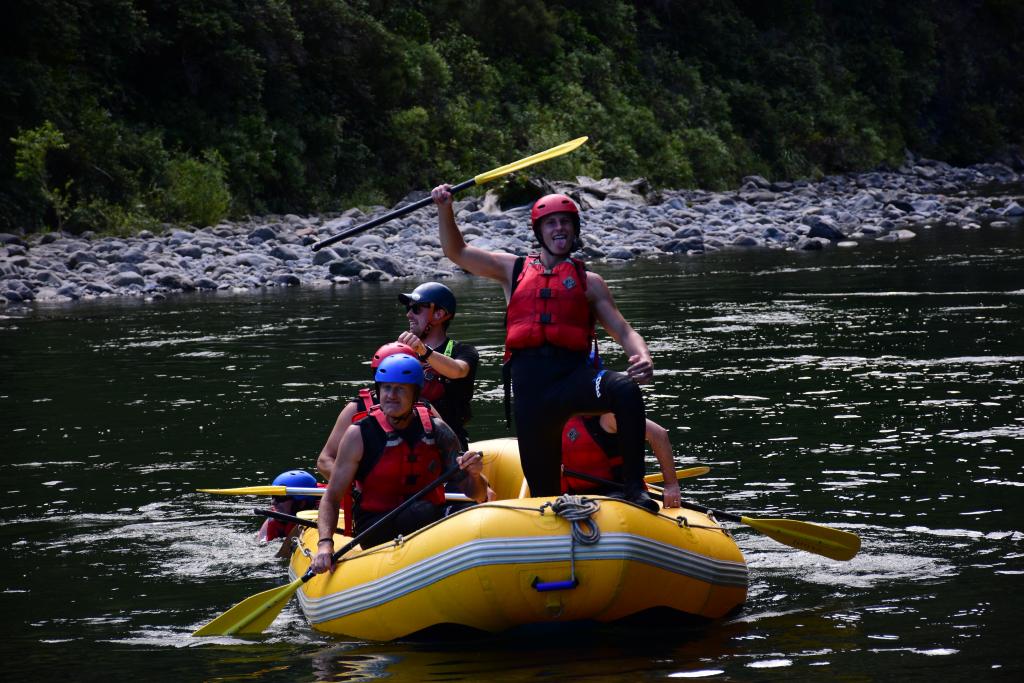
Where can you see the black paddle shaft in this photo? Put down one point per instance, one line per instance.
(689, 506)
(407, 209)
(280, 516)
(451, 472)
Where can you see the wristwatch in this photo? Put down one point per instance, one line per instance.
(426, 354)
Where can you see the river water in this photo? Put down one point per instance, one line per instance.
(877, 390)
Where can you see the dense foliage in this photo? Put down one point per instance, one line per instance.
(119, 113)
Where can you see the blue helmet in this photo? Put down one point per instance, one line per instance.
(297, 479)
(400, 368)
(431, 293)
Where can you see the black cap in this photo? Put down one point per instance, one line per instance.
(430, 293)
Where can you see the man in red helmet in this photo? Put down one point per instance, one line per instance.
(390, 454)
(354, 410)
(553, 304)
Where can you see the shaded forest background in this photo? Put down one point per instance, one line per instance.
(118, 115)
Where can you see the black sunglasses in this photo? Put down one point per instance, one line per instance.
(416, 308)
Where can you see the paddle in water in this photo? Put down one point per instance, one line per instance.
(814, 538)
(255, 613)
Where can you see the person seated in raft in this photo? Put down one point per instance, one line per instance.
(374, 454)
(289, 505)
(588, 445)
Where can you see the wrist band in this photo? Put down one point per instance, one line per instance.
(427, 354)
(325, 540)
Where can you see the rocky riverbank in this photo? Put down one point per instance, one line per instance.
(621, 221)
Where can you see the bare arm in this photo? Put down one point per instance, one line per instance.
(490, 264)
(641, 367)
(350, 452)
(325, 461)
(452, 368)
(475, 485)
(657, 436)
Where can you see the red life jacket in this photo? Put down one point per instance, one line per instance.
(582, 453)
(347, 501)
(367, 398)
(401, 470)
(434, 384)
(549, 307)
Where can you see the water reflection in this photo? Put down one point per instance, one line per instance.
(877, 392)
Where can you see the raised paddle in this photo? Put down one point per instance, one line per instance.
(487, 177)
(814, 538)
(680, 474)
(256, 612)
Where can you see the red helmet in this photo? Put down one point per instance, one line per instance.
(553, 203)
(390, 350)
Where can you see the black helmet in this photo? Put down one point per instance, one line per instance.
(431, 293)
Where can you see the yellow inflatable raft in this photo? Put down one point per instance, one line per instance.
(526, 560)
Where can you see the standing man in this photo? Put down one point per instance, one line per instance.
(553, 303)
(449, 366)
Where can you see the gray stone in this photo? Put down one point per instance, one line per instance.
(284, 253)
(253, 260)
(261, 234)
(346, 266)
(370, 275)
(287, 279)
(757, 181)
(826, 231)
(80, 257)
(620, 253)
(385, 263)
(46, 277)
(130, 255)
(812, 243)
(369, 241)
(189, 251)
(1013, 210)
(206, 283)
(127, 279)
(175, 281)
(325, 255)
(746, 241)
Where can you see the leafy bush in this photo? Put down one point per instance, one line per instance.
(304, 105)
(196, 191)
(31, 149)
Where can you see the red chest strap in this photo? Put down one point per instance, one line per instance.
(419, 408)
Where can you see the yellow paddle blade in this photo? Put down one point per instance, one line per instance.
(253, 614)
(558, 151)
(249, 490)
(680, 474)
(814, 538)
